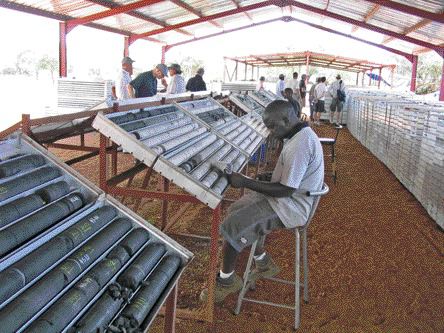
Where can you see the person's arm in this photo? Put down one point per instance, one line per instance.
(131, 92)
(164, 82)
(276, 190)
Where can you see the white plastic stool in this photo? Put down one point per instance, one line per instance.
(249, 284)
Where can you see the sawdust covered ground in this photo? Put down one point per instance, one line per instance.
(376, 258)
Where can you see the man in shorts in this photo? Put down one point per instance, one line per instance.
(320, 91)
(336, 102)
(277, 200)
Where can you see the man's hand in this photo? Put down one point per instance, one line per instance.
(236, 179)
(164, 82)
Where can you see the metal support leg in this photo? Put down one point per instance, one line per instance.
(170, 311)
(245, 286)
(165, 188)
(305, 259)
(102, 162)
(297, 301)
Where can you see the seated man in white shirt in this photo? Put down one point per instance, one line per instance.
(120, 90)
(277, 201)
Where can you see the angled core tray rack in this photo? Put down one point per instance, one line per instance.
(182, 143)
(37, 283)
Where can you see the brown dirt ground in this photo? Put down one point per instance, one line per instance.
(376, 258)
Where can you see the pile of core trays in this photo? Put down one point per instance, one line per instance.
(407, 135)
(253, 110)
(180, 146)
(72, 258)
(239, 131)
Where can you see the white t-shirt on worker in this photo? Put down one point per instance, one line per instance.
(300, 166)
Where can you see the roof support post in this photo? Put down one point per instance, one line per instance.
(246, 69)
(126, 45)
(392, 74)
(162, 58)
(62, 50)
(414, 70)
(441, 91)
(357, 79)
(370, 77)
(307, 63)
(380, 78)
(235, 71)
(362, 80)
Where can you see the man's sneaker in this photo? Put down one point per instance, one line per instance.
(265, 268)
(338, 125)
(224, 287)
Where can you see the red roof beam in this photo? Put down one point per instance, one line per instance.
(187, 7)
(438, 17)
(395, 51)
(221, 33)
(415, 27)
(368, 16)
(70, 24)
(140, 16)
(361, 24)
(205, 19)
(245, 13)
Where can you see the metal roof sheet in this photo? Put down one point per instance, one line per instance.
(148, 16)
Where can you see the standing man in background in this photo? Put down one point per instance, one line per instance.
(260, 84)
(294, 85)
(320, 91)
(303, 89)
(280, 86)
(145, 84)
(120, 89)
(197, 83)
(337, 92)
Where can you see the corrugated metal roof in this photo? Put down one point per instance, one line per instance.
(334, 14)
(315, 59)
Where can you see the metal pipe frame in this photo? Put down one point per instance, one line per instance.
(207, 313)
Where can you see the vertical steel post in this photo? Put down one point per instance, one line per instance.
(235, 71)
(245, 73)
(162, 59)
(357, 79)
(63, 72)
(363, 76)
(441, 91)
(126, 44)
(380, 78)
(170, 311)
(414, 70)
(102, 162)
(165, 188)
(307, 64)
(370, 78)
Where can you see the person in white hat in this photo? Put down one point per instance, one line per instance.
(120, 89)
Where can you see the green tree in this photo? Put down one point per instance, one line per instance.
(47, 63)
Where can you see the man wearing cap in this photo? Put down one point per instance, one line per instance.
(120, 90)
(197, 83)
(177, 82)
(145, 84)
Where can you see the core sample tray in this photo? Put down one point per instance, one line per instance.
(177, 145)
(264, 97)
(246, 135)
(68, 251)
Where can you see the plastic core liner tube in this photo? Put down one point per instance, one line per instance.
(253, 145)
(28, 181)
(26, 269)
(227, 123)
(212, 176)
(153, 130)
(18, 233)
(248, 141)
(193, 150)
(137, 311)
(150, 121)
(21, 164)
(133, 276)
(170, 144)
(242, 136)
(20, 310)
(54, 191)
(233, 134)
(230, 127)
(19, 208)
(62, 312)
(202, 169)
(201, 156)
(169, 135)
